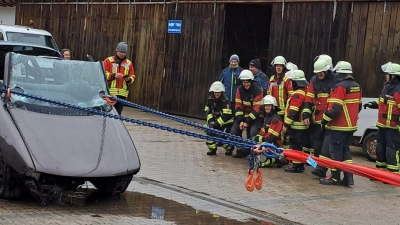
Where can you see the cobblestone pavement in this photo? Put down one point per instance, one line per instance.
(179, 184)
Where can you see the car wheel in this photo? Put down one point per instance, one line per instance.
(369, 146)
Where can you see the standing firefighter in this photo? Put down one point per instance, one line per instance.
(247, 106)
(340, 120)
(230, 78)
(299, 137)
(280, 87)
(119, 73)
(219, 116)
(388, 105)
(316, 104)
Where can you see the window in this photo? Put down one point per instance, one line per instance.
(1, 36)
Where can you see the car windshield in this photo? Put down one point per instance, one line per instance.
(68, 81)
(37, 39)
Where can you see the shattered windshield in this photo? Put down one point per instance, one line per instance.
(68, 81)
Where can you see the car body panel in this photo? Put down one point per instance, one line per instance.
(70, 145)
(62, 141)
(367, 119)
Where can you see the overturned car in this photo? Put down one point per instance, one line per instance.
(47, 149)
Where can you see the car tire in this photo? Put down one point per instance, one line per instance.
(369, 146)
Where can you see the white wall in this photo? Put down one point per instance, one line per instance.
(7, 15)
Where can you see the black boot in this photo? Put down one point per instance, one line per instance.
(334, 179)
(295, 168)
(229, 151)
(319, 171)
(212, 151)
(348, 179)
(241, 153)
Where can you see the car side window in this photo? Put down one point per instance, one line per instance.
(1, 36)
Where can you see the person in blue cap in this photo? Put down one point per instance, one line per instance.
(230, 78)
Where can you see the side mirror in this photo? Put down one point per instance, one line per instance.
(90, 58)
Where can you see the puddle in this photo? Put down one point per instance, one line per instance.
(157, 208)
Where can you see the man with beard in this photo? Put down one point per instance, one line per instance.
(119, 73)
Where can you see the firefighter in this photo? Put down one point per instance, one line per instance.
(280, 87)
(315, 106)
(299, 137)
(260, 77)
(219, 116)
(271, 129)
(119, 73)
(230, 78)
(388, 105)
(247, 105)
(340, 120)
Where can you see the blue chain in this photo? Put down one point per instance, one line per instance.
(134, 121)
(186, 122)
(272, 152)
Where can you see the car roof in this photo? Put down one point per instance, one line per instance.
(11, 43)
(23, 29)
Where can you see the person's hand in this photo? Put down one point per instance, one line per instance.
(306, 121)
(241, 126)
(284, 129)
(119, 75)
(245, 125)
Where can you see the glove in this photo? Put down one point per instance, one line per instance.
(369, 104)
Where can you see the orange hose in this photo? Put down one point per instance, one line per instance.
(364, 171)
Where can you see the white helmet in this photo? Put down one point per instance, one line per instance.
(327, 58)
(391, 68)
(321, 65)
(246, 75)
(279, 60)
(217, 86)
(269, 100)
(291, 66)
(343, 67)
(296, 75)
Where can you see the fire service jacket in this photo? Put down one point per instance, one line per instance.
(218, 111)
(293, 117)
(344, 104)
(247, 103)
(271, 129)
(317, 95)
(113, 66)
(281, 89)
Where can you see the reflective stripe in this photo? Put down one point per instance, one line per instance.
(346, 114)
(206, 108)
(273, 132)
(322, 95)
(227, 111)
(325, 117)
(294, 108)
(335, 100)
(209, 116)
(239, 113)
(251, 115)
(306, 110)
(311, 95)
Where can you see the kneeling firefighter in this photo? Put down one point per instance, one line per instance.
(272, 127)
(247, 106)
(219, 116)
(299, 137)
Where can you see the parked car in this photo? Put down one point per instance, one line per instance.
(27, 35)
(365, 136)
(47, 149)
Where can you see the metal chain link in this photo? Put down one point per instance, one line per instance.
(134, 121)
(184, 121)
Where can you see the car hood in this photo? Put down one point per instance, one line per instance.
(70, 145)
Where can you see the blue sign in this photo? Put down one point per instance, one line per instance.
(311, 162)
(157, 213)
(174, 26)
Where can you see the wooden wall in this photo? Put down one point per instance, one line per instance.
(364, 33)
(174, 71)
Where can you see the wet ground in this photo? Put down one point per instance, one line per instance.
(179, 184)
